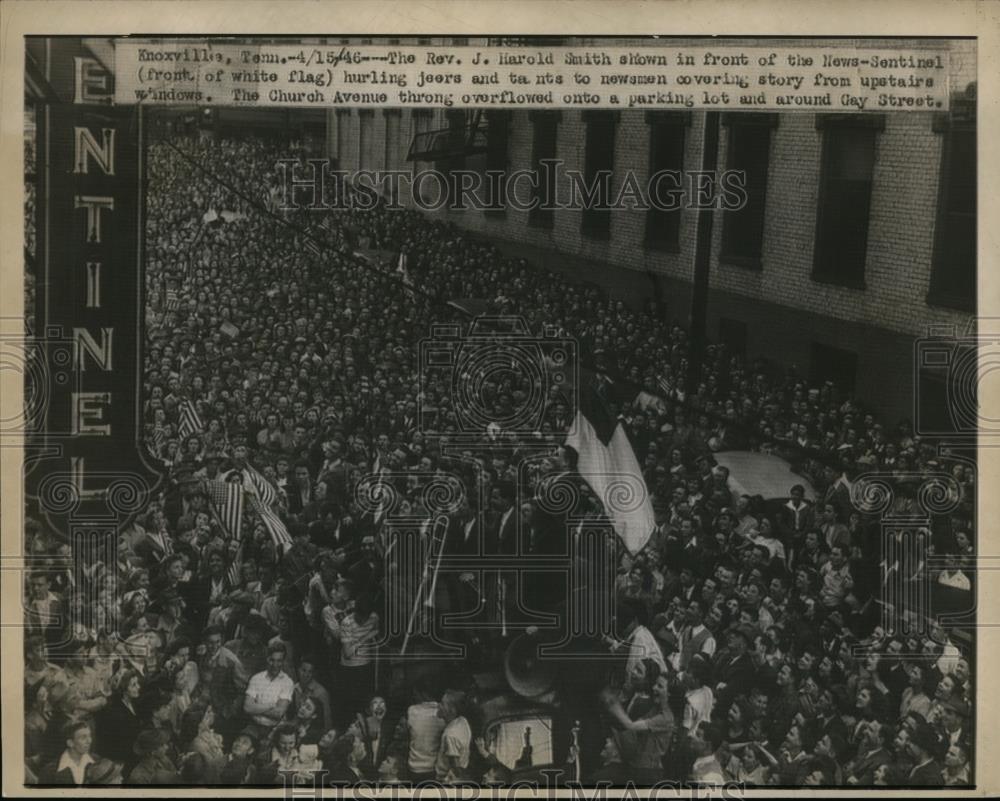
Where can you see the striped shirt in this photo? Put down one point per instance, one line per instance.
(357, 640)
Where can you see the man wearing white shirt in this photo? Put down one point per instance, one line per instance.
(640, 641)
(698, 698)
(696, 639)
(949, 652)
(71, 767)
(456, 739)
(955, 579)
(421, 728)
(269, 692)
(705, 739)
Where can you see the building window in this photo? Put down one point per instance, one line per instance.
(749, 152)
(343, 120)
(497, 136)
(545, 126)
(365, 139)
(453, 164)
(667, 132)
(392, 146)
(953, 275)
(598, 167)
(839, 367)
(422, 120)
(845, 191)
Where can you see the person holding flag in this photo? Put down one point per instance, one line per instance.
(607, 463)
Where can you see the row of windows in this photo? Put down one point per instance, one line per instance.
(849, 152)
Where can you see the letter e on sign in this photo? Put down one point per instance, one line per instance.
(93, 82)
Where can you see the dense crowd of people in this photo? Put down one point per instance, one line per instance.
(755, 645)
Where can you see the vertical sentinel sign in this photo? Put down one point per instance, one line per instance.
(90, 309)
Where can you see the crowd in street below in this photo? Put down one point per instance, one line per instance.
(755, 642)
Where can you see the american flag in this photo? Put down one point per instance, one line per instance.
(236, 567)
(190, 421)
(227, 503)
(155, 442)
(279, 534)
(257, 485)
(172, 300)
(670, 391)
(263, 496)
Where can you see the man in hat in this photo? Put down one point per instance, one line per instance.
(154, 765)
(170, 606)
(104, 772)
(954, 715)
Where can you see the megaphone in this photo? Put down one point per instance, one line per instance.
(528, 674)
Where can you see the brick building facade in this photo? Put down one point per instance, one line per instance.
(859, 233)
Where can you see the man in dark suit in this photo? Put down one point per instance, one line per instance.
(502, 520)
(827, 719)
(924, 747)
(464, 531)
(873, 751)
(209, 590)
(154, 545)
(300, 491)
(734, 669)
